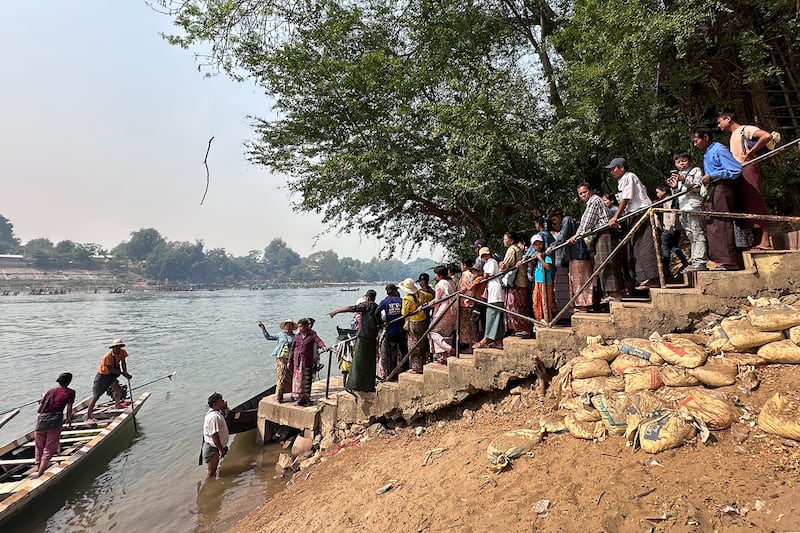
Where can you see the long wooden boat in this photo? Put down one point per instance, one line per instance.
(8, 416)
(17, 486)
(244, 416)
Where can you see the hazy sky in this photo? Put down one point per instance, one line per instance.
(104, 130)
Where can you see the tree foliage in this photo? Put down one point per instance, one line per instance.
(446, 120)
(9, 243)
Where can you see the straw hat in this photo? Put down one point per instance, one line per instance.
(408, 286)
(116, 342)
(484, 251)
(286, 322)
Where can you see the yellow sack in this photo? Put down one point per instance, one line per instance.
(675, 376)
(596, 385)
(600, 351)
(743, 335)
(613, 408)
(746, 359)
(774, 317)
(590, 368)
(794, 335)
(584, 430)
(784, 351)
(513, 444)
(781, 415)
(624, 361)
(637, 379)
(716, 372)
(681, 352)
(712, 408)
(581, 408)
(696, 338)
(665, 432)
(641, 348)
(718, 341)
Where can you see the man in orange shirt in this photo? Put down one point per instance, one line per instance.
(111, 367)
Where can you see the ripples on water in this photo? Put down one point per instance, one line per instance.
(212, 341)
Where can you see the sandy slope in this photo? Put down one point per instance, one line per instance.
(591, 486)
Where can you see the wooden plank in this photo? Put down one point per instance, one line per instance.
(76, 432)
(10, 487)
(64, 441)
(4, 462)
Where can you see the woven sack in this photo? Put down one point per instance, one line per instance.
(711, 408)
(613, 409)
(781, 415)
(716, 372)
(784, 351)
(675, 376)
(624, 361)
(745, 359)
(641, 348)
(742, 335)
(596, 385)
(590, 368)
(774, 317)
(637, 379)
(513, 444)
(600, 351)
(664, 432)
(581, 408)
(794, 335)
(584, 430)
(681, 352)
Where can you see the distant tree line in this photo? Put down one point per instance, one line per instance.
(166, 261)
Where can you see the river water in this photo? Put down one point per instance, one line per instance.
(211, 340)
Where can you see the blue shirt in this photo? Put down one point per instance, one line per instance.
(539, 276)
(718, 162)
(283, 340)
(393, 306)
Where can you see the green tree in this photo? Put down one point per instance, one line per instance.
(9, 243)
(143, 242)
(279, 259)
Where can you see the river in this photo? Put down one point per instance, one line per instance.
(211, 340)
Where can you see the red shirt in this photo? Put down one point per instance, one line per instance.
(56, 399)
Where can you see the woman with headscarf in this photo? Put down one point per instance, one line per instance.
(416, 323)
(444, 316)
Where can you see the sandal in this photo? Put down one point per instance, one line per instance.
(480, 344)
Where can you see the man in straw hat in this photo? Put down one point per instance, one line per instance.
(112, 365)
(283, 376)
(416, 323)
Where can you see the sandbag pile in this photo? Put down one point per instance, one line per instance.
(657, 391)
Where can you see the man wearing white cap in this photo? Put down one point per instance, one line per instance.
(111, 367)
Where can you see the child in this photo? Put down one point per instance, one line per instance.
(610, 201)
(544, 297)
(687, 179)
(670, 233)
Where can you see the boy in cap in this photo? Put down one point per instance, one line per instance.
(544, 297)
(112, 365)
(393, 345)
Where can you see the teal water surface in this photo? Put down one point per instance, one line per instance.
(211, 340)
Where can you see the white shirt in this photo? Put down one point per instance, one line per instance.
(632, 189)
(495, 291)
(215, 423)
(691, 201)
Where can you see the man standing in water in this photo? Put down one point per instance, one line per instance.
(111, 367)
(215, 435)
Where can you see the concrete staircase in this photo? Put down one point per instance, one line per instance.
(766, 274)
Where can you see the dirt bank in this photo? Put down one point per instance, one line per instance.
(591, 486)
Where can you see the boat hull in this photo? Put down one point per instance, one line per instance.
(17, 491)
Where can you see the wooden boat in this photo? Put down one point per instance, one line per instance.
(8, 416)
(244, 416)
(18, 488)
(349, 289)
